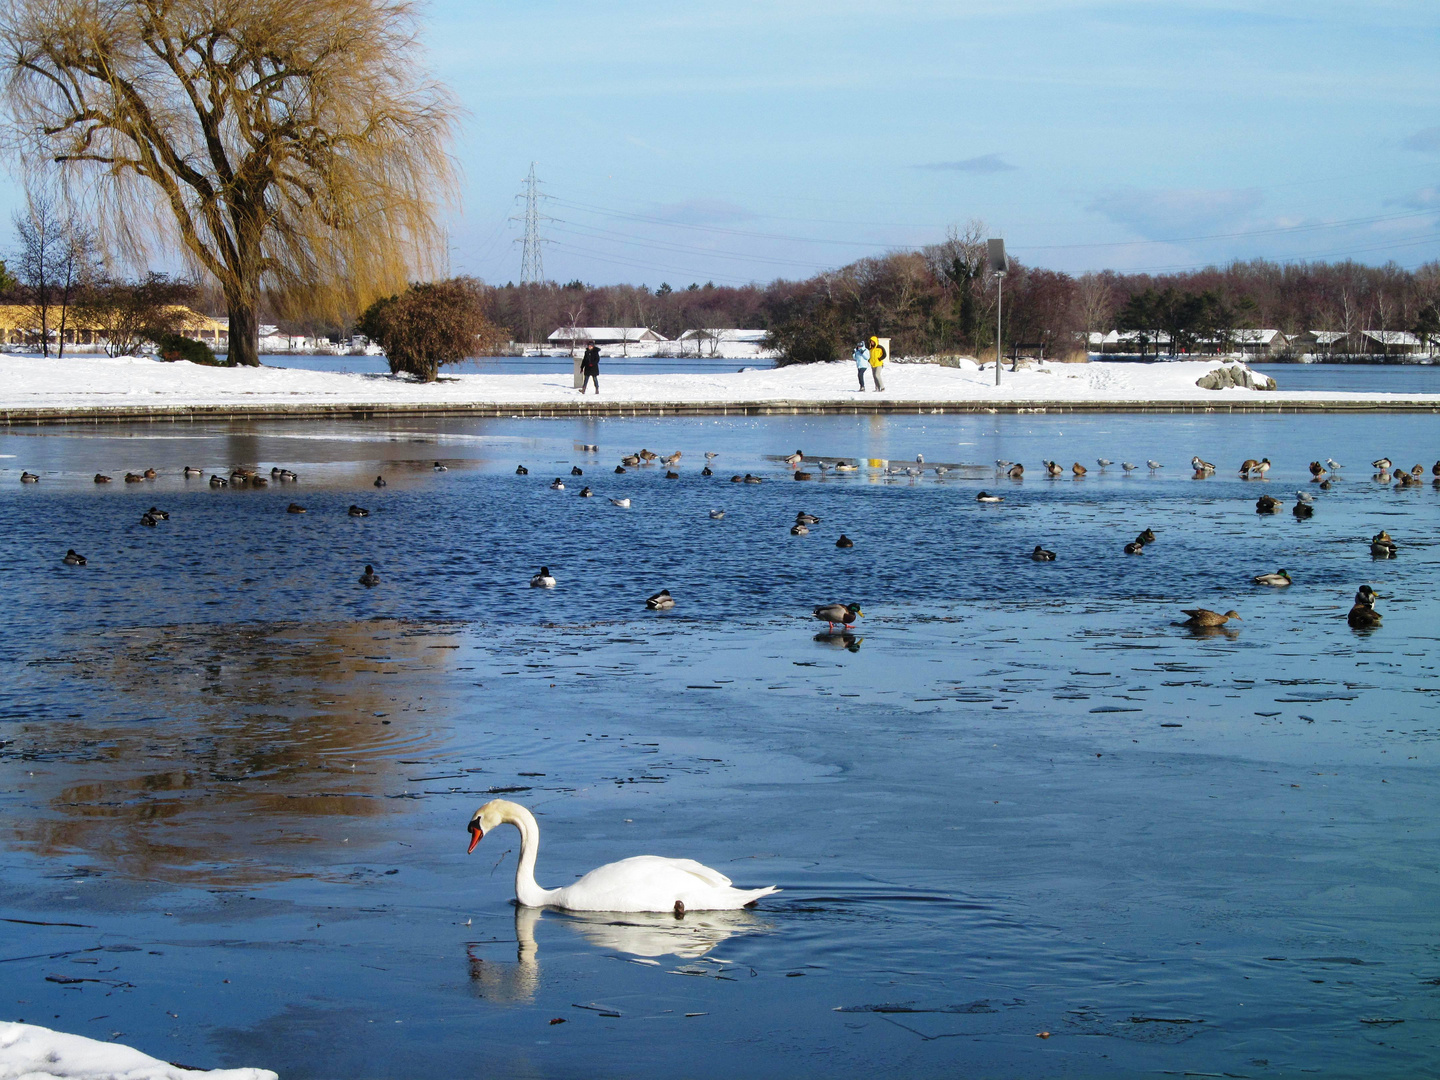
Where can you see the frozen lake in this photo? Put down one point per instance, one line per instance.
(1019, 801)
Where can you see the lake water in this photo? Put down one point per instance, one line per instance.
(1018, 801)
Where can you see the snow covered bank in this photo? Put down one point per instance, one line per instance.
(28, 1052)
(82, 383)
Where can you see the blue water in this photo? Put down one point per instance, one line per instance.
(1018, 799)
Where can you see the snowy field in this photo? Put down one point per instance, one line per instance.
(138, 382)
(29, 1052)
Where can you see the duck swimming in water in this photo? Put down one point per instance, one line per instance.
(1205, 617)
(1382, 546)
(1041, 555)
(586, 493)
(661, 601)
(986, 497)
(218, 481)
(543, 580)
(101, 478)
(440, 468)
(802, 518)
(844, 614)
(557, 484)
(707, 471)
(1277, 580)
(575, 470)
(1017, 471)
(1303, 509)
(799, 530)
(71, 558)
(1363, 615)
(295, 508)
(845, 466)
(1146, 537)
(1267, 504)
(717, 515)
(358, 511)
(379, 481)
(844, 542)
(521, 470)
(369, 578)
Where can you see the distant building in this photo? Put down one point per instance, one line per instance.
(20, 325)
(1390, 342)
(572, 336)
(1129, 342)
(726, 343)
(1259, 342)
(1320, 342)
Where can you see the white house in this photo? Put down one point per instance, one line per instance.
(571, 336)
(1390, 342)
(724, 343)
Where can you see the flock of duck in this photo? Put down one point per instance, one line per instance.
(1363, 613)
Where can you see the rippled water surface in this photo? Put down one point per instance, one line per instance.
(1025, 824)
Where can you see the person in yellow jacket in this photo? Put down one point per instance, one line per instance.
(877, 361)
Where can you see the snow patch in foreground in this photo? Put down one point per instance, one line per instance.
(29, 1052)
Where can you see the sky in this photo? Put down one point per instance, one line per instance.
(744, 141)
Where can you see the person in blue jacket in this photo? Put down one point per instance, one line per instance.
(861, 356)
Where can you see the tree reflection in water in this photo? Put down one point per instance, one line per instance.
(207, 754)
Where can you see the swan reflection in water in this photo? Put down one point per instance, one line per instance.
(840, 639)
(642, 934)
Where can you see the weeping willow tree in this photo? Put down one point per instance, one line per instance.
(284, 147)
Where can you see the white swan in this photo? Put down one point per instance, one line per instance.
(642, 883)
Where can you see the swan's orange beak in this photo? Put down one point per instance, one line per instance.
(476, 834)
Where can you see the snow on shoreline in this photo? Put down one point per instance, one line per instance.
(30, 1052)
(90, 382)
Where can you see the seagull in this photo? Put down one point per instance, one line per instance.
(543, 580)
(1333, 464)
(1103, 462)
(941, 471)
(711, 455)
(624, 504)
(1304, 496)
(1200, 465)
(1128, 467)
(1002, 464)
(1154, 465)
(919, 459)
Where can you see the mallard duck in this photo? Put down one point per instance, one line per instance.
(752, 479)
(661, 601)
(1135, 548)
(844, 614)
(717, 515)
(148, 521)
(1078, 469)
(1205, 617)
(1153, 464)
(1405, 479)
(1247, 465)
(295, 508)
(707, 471)
(73, 559)
(150, 474)
(737, 479)
(1417, 470)
(521, 470)
(1017, 471)
(986, 497)
(1129, 467)
(794, 459)
(631, 460)
(575, 470)
(288, 476)
(191, 470)
(557, 484)
(158, 515)
(101, 478)
(130, 478)
(844, 542)
(802, 518)
(801, 475)
(1383, 548)
(845, 466)
(260, 481)
(369, 578)
(358, 511)
(379, 481)
(1316, 469)
(673, 459)
(1041, 555)
(1278, 580)
(1201, 466)
(1303, 509)
(218, 481)
(624, 504)
(543, 580)
(440, 468)
(799, 530)
(1267, 504)
(1104, 462)
(586, 493)
(1366, 595)
(648, 455)
(1052, 469)
(1382, 464)
(1263, 467)
(1147, 536)
(1435, 469)
(671, 474)
(1363, 615)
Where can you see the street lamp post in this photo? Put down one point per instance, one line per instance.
(998, 266)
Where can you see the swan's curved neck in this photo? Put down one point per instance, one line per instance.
(526, 890)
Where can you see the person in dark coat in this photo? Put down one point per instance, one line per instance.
(590, 368)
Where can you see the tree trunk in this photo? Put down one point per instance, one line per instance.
(244, 331)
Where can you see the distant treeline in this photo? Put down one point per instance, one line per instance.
(941, 300)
